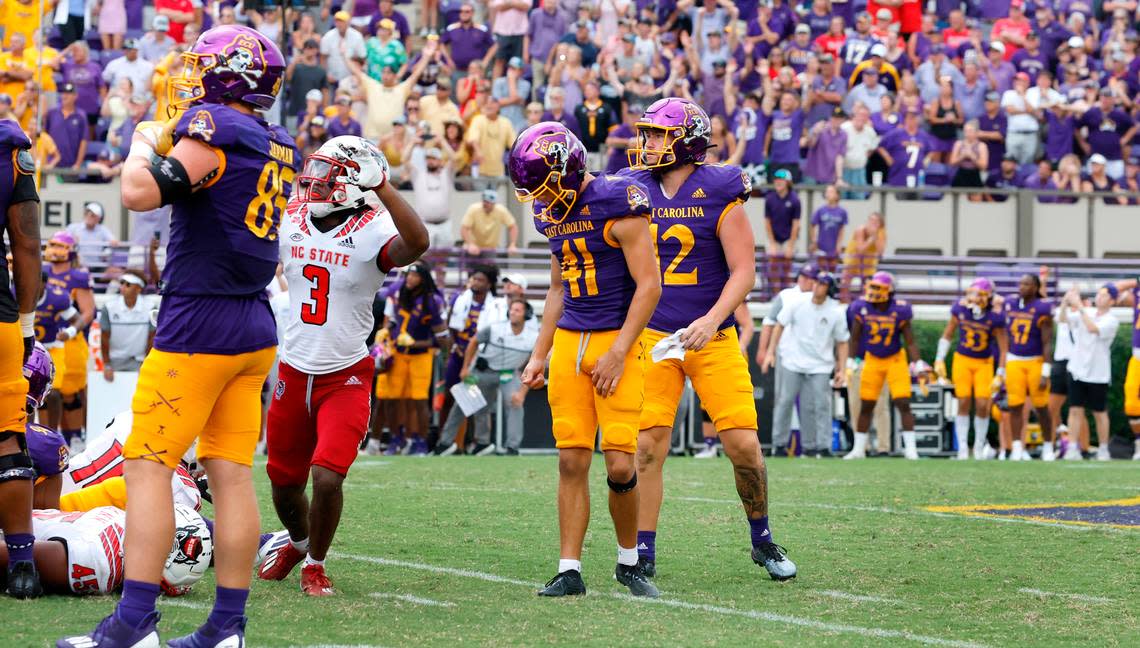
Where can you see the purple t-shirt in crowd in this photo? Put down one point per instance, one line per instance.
(1031, 64)
(618, 159)
(797, 56)
(88, 78)
(1035, 183)
(68, 132)
(884, 122)
(364, 8)
(781, 212)
(1105, 131)
(134, 14)
(467, 43)
(855, 49)
(1058, 135)
(786, 133)
(336, 128)
(820, 111)
(819, 24)
(544, 30)
(402, 27)
(750, 127)
(996, 149)
(567, 118)
(908, 153)
(829, 220)
(989, 10)
(1076, 6)
(820, 163)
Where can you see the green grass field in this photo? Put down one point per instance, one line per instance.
(446, 551)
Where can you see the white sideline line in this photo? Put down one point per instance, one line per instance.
(370, 464)
(700, 607)
(861, 598)
(883, 509)
(1076, 597)
(412, 599)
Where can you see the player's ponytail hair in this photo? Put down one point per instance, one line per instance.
(423, 293)
(1037, 282)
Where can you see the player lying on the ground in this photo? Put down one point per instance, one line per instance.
(604, 285)
(347, 226)
(704, 242)
(879, 326)
(981, 332)
(81, 552)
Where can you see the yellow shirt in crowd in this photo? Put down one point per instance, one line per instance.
(384, 105)
(22, 17)
(487, 227)
(491, 140)
(438, 114)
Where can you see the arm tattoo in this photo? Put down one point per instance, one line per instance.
(752, 486)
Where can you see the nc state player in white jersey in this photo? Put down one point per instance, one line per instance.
(346, 228)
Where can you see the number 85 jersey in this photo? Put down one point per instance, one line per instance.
(333, 277)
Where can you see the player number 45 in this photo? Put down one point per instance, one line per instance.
(267, 206)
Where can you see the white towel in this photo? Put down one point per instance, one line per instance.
(669, 348)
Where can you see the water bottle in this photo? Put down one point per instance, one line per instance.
(836, 436)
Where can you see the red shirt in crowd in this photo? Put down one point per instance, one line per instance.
(176, 26)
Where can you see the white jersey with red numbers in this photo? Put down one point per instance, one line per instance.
(103, 459)
(94, 541)
(333, 277)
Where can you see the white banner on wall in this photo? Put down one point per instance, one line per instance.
(61, 203)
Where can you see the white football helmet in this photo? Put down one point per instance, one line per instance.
(191, 554)
(341, 175)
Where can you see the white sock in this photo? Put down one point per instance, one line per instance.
(1046, 447)
(309, 560)
(566, 564)
(1137, 442)
(962, 431)
(860, 444)
(627, 557)
(981, 429)
(300, 545)
(909, 441)
(1018, 448)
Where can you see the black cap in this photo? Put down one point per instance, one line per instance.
(67, 87)
(839, 112)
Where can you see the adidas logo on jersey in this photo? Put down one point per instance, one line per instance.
(352, 380)
(585, 211)
(699, 193)
(347, 243)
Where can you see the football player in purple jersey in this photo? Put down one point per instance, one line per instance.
(880, 327)
(227, 174)
(604, 285)
(20, 219)
(707, 257)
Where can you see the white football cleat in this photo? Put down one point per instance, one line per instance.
(1136, 455)
(856, 454)
(1002, 456)
(1073, 452)
(373, 447)
(710, 452)
(1047, 453)
(963, 454)
(1102, 454)
(858, 448)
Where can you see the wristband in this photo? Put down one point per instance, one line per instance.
(943, 349)
(1046, 369)
(27, 324)
(1001, 371)
(71, 332)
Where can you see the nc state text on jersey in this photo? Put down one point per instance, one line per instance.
(320, 256)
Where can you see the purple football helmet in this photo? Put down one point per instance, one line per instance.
(686, 134)
(229, 63)
(879, 288)
(547, 165)
(39, 370)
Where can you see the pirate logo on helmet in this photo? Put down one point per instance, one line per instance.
(188, 547)
(699, 126)
(240, 57)
(555, 152)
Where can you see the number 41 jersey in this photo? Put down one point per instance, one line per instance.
(333, 278)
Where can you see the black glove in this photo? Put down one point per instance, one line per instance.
(29, 343)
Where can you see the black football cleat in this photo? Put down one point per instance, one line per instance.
(632, 577)
(774, 558)
(648, 567)
(567, 583)
(24, 580)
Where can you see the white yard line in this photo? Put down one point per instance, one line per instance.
(788, 619)
(173, 602)
(1076, 597)
(408, 598)
(861, 598)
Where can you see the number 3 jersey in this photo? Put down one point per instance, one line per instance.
(686, 235)
(976, 334)
(333, 278)
(94, 542)
(223, 238)
(597, 286)
(882, 335)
